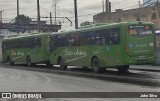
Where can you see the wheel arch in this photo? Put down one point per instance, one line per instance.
(8, 58)
(92, 59)
(27, 57)
(101, 61)
(59, 57)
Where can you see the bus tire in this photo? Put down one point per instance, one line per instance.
(95, 65)
(123, 69)
(10, 61)
(28, 61)
(61, 63)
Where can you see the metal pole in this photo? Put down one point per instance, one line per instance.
(55, 12)
(1, 15)
(38, 16)
(76, 17)
(103, 5)
(107, 6)
(110, 10)
(17, 11)
(51, 18)
(138, 15)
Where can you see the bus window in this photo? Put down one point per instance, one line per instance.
(79, 39)
(12, 44)
(18, 44)
(37, 42)
(112, 36)
(52, 44)
(58, 41)
(70, 38)
(4, 46)
(31, 42)
(99, 37)
(140, 30)
(25, 43)
(8, 46)
(132, 32)
(115, 36)
(89, 38)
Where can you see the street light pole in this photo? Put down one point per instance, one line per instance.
(38, 16)
(139, 13)
(75, 11)
(55, 12)
(17, 11)
(50, 18)
(103, 5)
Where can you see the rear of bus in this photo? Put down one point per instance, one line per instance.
(140, 43)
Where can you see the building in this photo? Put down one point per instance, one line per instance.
(33, 25)
(149, 14)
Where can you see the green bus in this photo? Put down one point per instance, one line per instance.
(105, 45)
(26, 49)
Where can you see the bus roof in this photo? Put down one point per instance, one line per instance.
(100, 26)
(25, 35)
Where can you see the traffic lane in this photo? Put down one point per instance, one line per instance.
(31, 81)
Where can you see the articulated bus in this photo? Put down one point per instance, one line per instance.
(26, 49)
(105, 45)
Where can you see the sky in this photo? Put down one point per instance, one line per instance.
(64, 8)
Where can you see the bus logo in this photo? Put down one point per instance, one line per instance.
(6, 95)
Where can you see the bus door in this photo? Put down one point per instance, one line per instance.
(140, 41)
(113, 46)
(57, 44)
(37, 49)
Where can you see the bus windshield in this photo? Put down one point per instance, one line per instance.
(140, 30)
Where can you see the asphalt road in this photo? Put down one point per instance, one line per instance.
(19, 80)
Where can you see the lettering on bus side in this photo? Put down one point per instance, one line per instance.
(75, 53)
(13, 53)
(142, 45)
(17, 53)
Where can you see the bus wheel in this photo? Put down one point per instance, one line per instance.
(61, 63)
(96, 65)
(123, 69)
(28, 62)
(10, 61)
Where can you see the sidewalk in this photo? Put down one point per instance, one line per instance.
(146, 67)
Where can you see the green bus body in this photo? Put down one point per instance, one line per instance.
(118, 44)
(34, 46)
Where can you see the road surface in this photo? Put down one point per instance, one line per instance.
(20, 80)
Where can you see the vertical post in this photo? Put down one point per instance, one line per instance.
(1, 15)
(139, 13)
(50, 18)
(17, 11)
(110, 9)
(55, 12)
(103, 5)
(75, 11)
(38, 16)
(107, 6)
